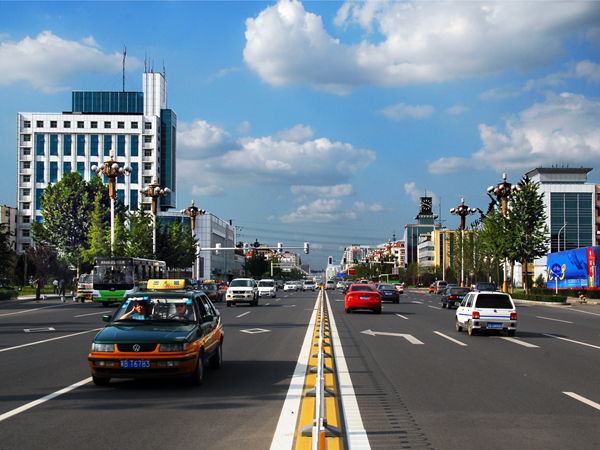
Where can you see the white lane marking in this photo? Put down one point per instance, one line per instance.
(241, 315)
(48, 340)
(405, 318)
(91, 314)
(451, 339)
(434, 307)
(517, 341)
(30, 310)
(255, 331)
(414, 301)
(356, 434)
(583, 400)
(43, 399)
(286, 427)
(585, 312)
(409, 337)
(38, 330)
(555, 320)
(574, 342)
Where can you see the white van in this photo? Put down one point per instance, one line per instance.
(330, 284)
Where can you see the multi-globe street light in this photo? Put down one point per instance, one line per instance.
(154, 191)
(192, 212)
(463, 211)
(112, 169)
(502, 192)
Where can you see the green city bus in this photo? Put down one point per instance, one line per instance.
(116, 276)
(389, 278)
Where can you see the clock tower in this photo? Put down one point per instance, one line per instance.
(425, 216)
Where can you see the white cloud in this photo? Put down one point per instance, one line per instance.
(401, 111)
(456, 110)
(208, 191)
(244, 128)
(201, 140)
(415, 42)
(415, 193)
(340, 190)
(48, 62)
(363, 207)
(562, 129)
(320, 211)
(90, 41)
(299, 133)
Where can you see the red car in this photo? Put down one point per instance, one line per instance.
(363, 296)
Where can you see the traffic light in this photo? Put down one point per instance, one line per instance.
(344, 260)
(330, 261)
(218, 246)
(381, 262)
(306, 248)
(280, 247)
(367, 260)
(356, 261)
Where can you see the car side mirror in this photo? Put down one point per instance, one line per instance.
(106, 317)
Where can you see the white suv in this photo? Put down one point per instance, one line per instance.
(309, 285)
(267, 288)
(242, 290)
(487, 311)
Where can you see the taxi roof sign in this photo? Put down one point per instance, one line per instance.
(166, 284)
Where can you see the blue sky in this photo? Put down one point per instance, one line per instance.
(325, 121)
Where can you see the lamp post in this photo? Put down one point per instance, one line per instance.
(112, 169)
(462, 211)
(560, 231)
(192, 212)
(502, 192)
(154, 191)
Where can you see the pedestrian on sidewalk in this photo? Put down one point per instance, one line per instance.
(37, 285)
(55, 285)
(61, 287)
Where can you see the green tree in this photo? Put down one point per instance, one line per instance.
(494, 242)
(175, 245)
(7, 255)
(99, 238)
(528, 230)
(257, 264)
(140, 234)
(45, 260)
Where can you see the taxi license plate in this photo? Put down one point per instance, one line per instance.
(494, 325)
(365, 298)
(135, 363)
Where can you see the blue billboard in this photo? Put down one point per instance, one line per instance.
(574, 268)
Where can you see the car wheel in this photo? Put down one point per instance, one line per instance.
(198, 375)
(397, 301)
(105, 304)
(348, 311)
(443, 305)
(216, 360)
(471, 330)
(228, 304)
(100, 381)
(458, 327)
(511, 333)
(377, 310)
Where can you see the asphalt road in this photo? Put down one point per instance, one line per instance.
(416, 387)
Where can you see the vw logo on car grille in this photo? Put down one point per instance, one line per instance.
(136, 348)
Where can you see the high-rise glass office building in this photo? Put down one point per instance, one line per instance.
(137, 127)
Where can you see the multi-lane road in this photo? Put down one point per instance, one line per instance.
(418, 383)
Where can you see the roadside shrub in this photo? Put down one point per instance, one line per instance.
(540, 298)
(8, 294)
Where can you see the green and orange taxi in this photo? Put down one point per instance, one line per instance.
(167, 331)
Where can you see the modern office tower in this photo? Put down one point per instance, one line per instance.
(137, 127)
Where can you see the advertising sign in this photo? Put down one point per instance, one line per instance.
(574, 268)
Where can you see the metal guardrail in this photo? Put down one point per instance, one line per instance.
(319, 430)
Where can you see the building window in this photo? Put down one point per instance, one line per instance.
(27, 178)
(134, 172)
(120, 124)
(121, 145)
(26, 219)
(66, 167)
(25, 233)
(38, 198)
(94, 145)
(39, 124)
(106, 124)
(81, 145)
(26, 138)
(54, 144)
(80, 124)
(39, 172)
(147, 166)
(147, 180)
(27, 124)
(134, 125)
(148, 152)
(121, 195)
(26, 192)
(133, 200)
(107, 144)
(26, 165)
(147, 125)
(94, 125)
(39, 144)
(67, 124)
(67, 145)
(92, 173)
(53, 171)
(134, 145)
(81, 168)
(25, 205)
(26, 152)
(53, 124)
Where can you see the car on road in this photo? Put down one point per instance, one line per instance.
(452, 296)
(330, 284)
(167, 331)
(388, 292)
(432, 288)
(267, 288)
(487, 311)
(340, 285)
(242, 290)
(290, 286)
(85, 287)
(440, 286)
(485, 286)
(362, 296)
(213, 291)
(309, 285)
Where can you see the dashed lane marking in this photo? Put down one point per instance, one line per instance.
(242, 315)
(555, 320)
(583, 400)
(400, 315)
(516, 341)
(574, 342)
(462, 344)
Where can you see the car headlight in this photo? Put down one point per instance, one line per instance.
(105, 348)
(182, 347)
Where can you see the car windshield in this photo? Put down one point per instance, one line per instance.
(156, 309)
(387, 287)
(266, 284)
(498, 301)
(362, 288)
(486, 286)
(458, 291)
(208, 287)
(241, 283)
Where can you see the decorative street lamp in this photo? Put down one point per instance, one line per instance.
(502, 192)
(111, 169)
(462, 211)
(192, 212)
(154, 191)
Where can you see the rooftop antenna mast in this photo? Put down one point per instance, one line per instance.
(440, 222)
(124, 55)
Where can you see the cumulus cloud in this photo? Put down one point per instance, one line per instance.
(415, 193)
(456, 110)
(208, 191)
(320, 211)
(413, 42)
(200, 139)
(563, 128)
(48, 61)
(340, 190)
(363, 207)
(299, 133)
(401, 111)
